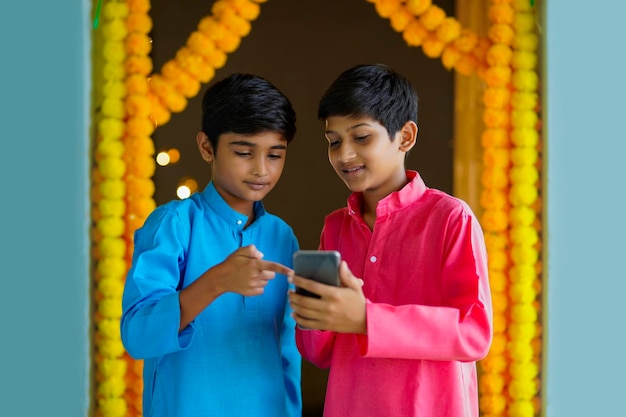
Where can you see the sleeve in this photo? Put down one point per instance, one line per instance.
(460, 329)
(317, 346)
(150, 304)
(292, 360)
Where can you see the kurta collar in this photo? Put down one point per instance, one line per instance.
(226, 212)
(394, 201)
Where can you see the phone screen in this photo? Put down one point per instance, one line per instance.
(321, 266)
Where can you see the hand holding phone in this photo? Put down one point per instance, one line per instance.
(319, 265)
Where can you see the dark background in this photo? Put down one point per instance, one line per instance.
(301, 46)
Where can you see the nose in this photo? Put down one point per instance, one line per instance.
(259, 167)
(345, 152)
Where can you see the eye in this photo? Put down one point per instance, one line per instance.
(361, 138)
(334, 143)
(243, 154)
(274, 156)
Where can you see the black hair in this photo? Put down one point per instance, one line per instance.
(371, 90)
(246, 104)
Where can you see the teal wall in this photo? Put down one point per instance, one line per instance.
(586, 143)
(44, 103)
(44, 260)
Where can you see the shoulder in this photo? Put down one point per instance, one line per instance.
(441, 203)
(173, 214)
(337, 216)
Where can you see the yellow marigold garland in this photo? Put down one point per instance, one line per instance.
(524, 196)
(107, 211)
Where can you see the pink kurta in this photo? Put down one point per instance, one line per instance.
(429, 316)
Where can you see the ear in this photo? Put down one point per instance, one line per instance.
(408, 136)
(205, 147)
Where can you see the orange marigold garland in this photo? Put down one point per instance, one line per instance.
(205, 51)
(108, 211)
(138, 155)
(524, 331)
(496, 142)
(425, 24)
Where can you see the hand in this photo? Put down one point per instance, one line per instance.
(244, 272)
(339, 309)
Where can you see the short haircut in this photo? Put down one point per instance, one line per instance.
(371, 90)
(246, 104)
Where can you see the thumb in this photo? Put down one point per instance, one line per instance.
(347, 279)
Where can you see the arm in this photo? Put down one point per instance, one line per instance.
(461, 329)
(150, 304)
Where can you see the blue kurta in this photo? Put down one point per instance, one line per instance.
(238, 357)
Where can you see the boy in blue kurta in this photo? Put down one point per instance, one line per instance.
(205, 301)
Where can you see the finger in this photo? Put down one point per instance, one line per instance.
(274, 267)
(313, 286)
(347, 279)
(250, 251)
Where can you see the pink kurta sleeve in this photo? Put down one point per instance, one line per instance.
(316, 346)
(460, 328)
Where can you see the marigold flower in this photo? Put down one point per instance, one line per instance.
(524, 156)
(526, 255)
(112, 188)
(114, 30)
(139, 188)
(498, 280)
(495, 118)
(111, 207)
(448, 30)
(524, 175)
(466, 41)
(525, 137)
(140, 126)
(498, 76)
(499, 55)
(466, 65)
(522, 216)
(524, 22)
(523, 274)
(400, 19)
(493, 199)
(415, 33)
(501, 13)
(493, 364)
(432, 17)
(138, 105)
(141, 166)
(111, 167)
(113, 71)
(138, 6)
(494, 220)
(496, 97)
(494, 137)
(112, 272)
(113, 407)
(501, 33)
(385, 8)
(110, 307)
(492, 403)
(108, 328)
(520, 351)
(527, 41)
(114, 10)
(113, 51)
(112, 246)
(432, 46)
(521, 408)
(138, 64)
(111, 129)
(526, 80)
(139, 22)
(246, 9)
(114, 89)
(520, 389)
(141, 207)
(524, 60)
(500, 302)
(140, 145)
(524, 370)
(494, 177)
(450, 56)
(111, 226)
(112, 367)
(496, 241)
(417, 7)
(138, 43)
(492, 383)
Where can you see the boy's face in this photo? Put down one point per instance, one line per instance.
(364, 157)
(245, 167)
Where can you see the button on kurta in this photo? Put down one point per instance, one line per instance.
(373, 259)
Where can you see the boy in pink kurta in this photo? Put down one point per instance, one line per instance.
(403, 339)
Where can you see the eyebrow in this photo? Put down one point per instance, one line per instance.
(254, 145)
(350, 128)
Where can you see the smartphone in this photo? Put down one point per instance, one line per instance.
(319, 265)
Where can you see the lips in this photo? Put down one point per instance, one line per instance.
(353, 170)
(257, 185)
